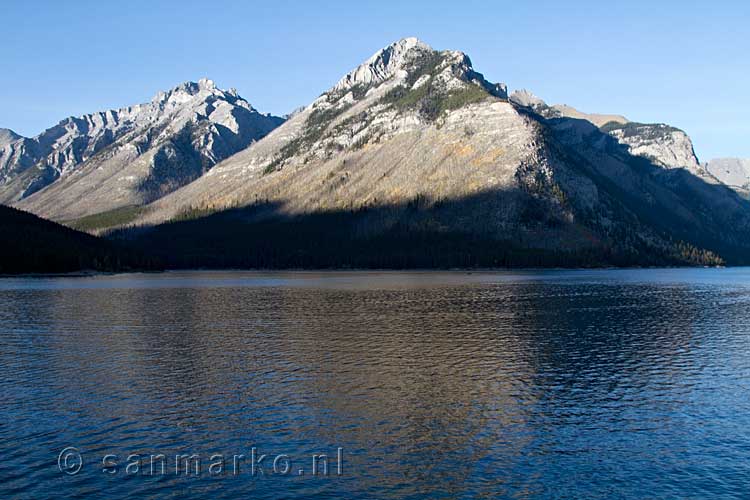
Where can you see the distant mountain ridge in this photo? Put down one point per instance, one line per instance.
(663, 144)
(525, 98)
(131, 156)
(734, 172)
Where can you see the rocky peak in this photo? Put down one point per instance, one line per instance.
(206, 84)
(7, 136)
(462, 69)
(202, 90)
(526, 99)
(409, 63)
(384, 64)
(402, 87)
(217, 122)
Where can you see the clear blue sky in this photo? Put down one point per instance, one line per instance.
(681, 62)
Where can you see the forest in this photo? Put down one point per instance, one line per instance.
(409, 236)
(29, 244)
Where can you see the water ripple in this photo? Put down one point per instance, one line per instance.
(583, 384)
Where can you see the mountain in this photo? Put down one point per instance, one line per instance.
(7, 136)
(527, 99)
(415, 159)
(375, 115)
(29, 244)
(116, 160)
(734, 172)
(664, 145)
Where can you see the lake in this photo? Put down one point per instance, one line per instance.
(528, 384)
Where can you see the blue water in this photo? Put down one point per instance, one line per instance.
(551, 384)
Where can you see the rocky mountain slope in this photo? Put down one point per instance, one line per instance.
(415, 146)
(528, 99)
(128, 157)
(734, 172)
(664, 145)
(405, 97)
(7, 136)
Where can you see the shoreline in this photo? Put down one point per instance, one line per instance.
(469, 270)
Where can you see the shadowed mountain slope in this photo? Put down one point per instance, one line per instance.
(29, 244)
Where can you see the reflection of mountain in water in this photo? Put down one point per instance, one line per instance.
(446, 390)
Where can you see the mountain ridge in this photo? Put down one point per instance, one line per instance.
(415, 129)
(415, 145)
(663, 144)
(131, 155)
(7, 136)
(734, 172)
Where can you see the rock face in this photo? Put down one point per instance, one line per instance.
(131, 156)
(734, 172)
(7, 136)
(666, 146)
(416, 140)
(527, 99)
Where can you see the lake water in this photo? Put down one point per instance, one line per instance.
(563, 384)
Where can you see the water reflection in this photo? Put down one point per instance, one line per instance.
(456, 386)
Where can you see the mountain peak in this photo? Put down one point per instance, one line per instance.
(187, 90)
(384, 63)
(7, 136)
(206, 84)
(412, 62)
(526, 98)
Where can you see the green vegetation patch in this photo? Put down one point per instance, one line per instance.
(431, 102)
(426, 63)
(314, 130)
(192, 213)
(428, 99)
(468, 94)
(645, 130)
(103, 220)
